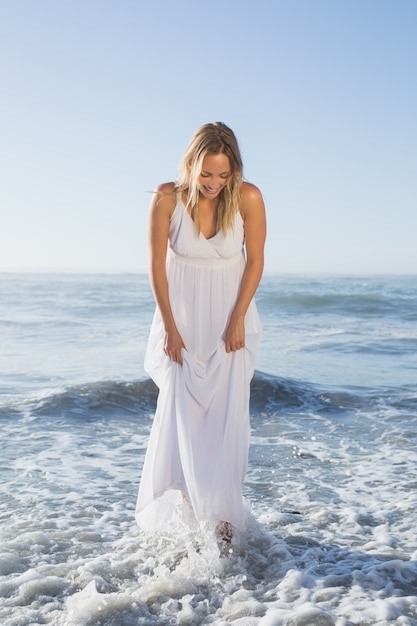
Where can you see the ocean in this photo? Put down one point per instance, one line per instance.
(331, 489)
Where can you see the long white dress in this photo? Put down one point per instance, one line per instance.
(199, 440)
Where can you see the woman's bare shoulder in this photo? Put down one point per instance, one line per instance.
(164, 198)
(251, 200)
(249, 191)
(165, 188)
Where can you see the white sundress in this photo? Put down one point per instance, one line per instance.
(199, 440)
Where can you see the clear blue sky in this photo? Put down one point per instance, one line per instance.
(99, 99)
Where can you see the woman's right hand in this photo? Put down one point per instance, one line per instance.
(173, 346)
(162, 208)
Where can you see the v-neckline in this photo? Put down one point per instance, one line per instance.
(208, 239)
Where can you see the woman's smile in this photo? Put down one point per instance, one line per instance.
(215, 172)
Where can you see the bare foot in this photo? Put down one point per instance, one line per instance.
(224, 531)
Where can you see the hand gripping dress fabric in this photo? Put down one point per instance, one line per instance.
(199, 441)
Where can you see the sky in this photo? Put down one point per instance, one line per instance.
(99, 99)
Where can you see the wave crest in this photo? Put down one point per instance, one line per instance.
(137, 399)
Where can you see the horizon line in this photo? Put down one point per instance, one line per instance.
(141, 271)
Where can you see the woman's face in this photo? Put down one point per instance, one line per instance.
(215, 173)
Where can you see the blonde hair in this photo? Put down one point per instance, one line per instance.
(213, 138)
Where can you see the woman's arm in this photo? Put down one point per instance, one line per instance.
(253, 214)
(161, 210)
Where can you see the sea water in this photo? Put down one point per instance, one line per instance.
(331, 489)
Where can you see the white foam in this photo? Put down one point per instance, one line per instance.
(337, 546)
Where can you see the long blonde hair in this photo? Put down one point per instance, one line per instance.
(213, 138)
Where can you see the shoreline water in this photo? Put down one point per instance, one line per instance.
(331, 487)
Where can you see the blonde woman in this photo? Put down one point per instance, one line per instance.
(206, 238)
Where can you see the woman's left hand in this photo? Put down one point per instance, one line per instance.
(252, 210)
(235, 333)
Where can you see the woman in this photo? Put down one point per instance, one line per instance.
(206, 235)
